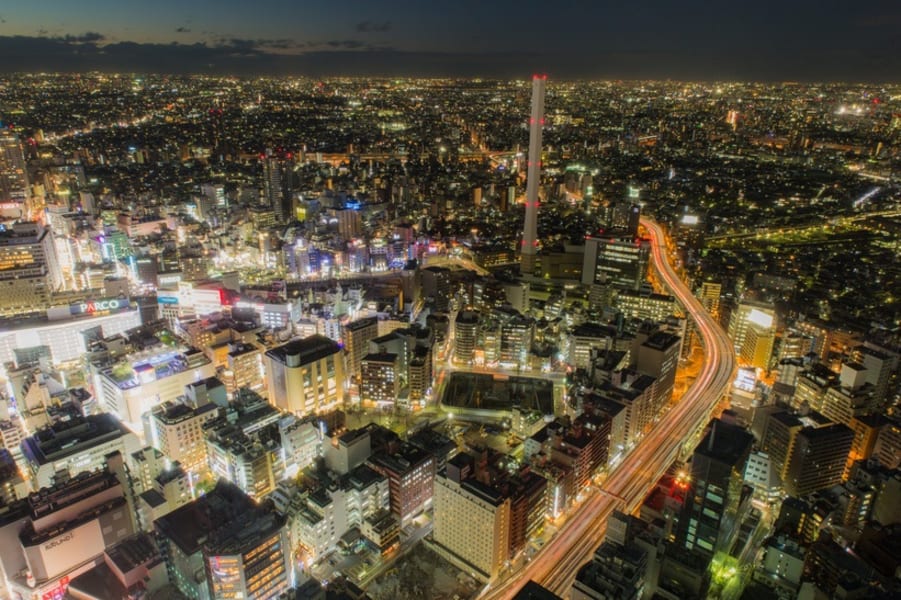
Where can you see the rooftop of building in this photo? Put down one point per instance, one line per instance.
(308, 350)
(593, 330)
(171, 413)
(70, 436)
(725, 443)
(362, 323)
(405, 457)
(189, 526)
(826, 432)
(381, 357)
(661, 340)
(244, 532)
(138, 551)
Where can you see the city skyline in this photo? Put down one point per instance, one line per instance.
(763, 41)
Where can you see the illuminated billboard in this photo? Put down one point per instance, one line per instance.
(101, 306)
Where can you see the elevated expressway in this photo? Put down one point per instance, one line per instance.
(555, 566)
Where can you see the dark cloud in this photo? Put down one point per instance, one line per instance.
(89, 37)
(182, 30)
(349, 44)
(373, 27)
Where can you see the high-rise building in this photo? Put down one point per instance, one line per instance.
(516, 341)
(379, 379)
(879, 363)
(466, 329)
(745, 314)
(645, 305)
(709, 295)
(29, 270)
(474, 514)
(277, 181)
(710, 516)
(658, 356)
(306, 376)
(224, 545)
(357, 335)
(176, 430)
(420, 373)
(778, 439)
(620, 262)
(244, 368)
(757, 348)
(529, 249)
(818, 458)
(13, 169)
(411, 476)
(437, 285)
(243, 445)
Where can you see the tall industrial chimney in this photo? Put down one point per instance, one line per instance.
(530, 228)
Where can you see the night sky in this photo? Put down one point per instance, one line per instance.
(801, 40)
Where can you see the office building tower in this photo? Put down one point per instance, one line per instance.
(636, 393)
(419, 373)
(888, 445)
(645, 305)
(757, 348)
(529, 249)
(176, 430)
(437, 286)
(13, 169)
(818, 458)
(224, 545)
(29, 270)
(778, 439)
(306, 376)
(411, 476)
(357, 335)
(880, 363)
(819, 333)
(243, 368)
(329, 506)
(852, 396)
(68, 447)
(301, 442)
(474, 512)
(278, 187)
(746, 314)
(379, 379)
(709, 295)
(517, 334)
(658, 356)
(466, 329)
(620, 262)
(709, 518)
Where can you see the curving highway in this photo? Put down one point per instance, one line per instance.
(556, 565)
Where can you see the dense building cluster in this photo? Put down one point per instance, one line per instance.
(255, 332)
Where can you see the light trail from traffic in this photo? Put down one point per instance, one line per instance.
(556, 565)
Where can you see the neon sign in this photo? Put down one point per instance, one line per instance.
(90, 307)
